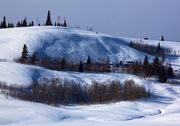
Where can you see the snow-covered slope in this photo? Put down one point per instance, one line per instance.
(58, 42)
(162, 109)
(14, 73)
(174, 59)
(64, 42)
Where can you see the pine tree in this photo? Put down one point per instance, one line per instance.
(81, 67)
(18, 24)
(158, 49)
(121, 63)
(170, 72)
(24, 56)
(146, 66)
(156, 65)
(145, 63)
(107, 65)
(32, 23)
(58, 24)
(9, 25)
(34, 59)
(131, 44)
(88, 61)
(29, 24)
(65, 23)
(162, 38)
(63, 64)
(162, 75)
(48, 21)
(12, 25)
(24, 23)
(4, 23)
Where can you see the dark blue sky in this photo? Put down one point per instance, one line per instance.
(129, 18)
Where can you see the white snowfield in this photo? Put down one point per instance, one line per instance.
(162, 109)
(14, 73)
(58, 42)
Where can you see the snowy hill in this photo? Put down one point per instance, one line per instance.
(61, 42)
(58, 42)
(64, 42)
(162, 109)
(14, 73)
(159, 110)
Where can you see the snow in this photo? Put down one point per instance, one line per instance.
(162, 109)
(71, 43)
(58, 42)
(14, 73)
(174, 60)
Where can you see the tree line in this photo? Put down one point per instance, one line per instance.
(58, 92)
(153, 49)
(63, 64)
(149, 49)
(25, 23)
(156, 68)
(146, 68)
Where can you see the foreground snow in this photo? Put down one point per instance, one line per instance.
(163, 108)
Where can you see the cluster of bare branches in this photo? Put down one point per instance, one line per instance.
(58, 92)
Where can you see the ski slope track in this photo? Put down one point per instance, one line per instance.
(161, 109)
